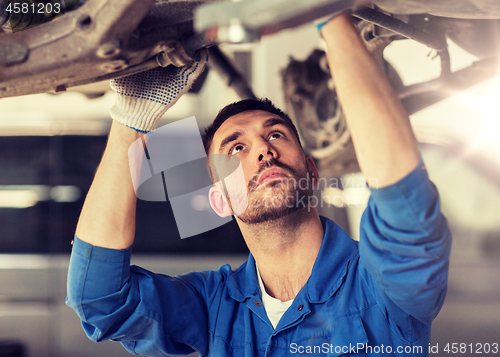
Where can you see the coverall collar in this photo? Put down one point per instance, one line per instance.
(326, 277)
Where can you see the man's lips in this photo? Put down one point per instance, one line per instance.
(271, 174)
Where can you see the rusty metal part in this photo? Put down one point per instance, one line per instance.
(374, 43)
(195, 42)
(144, 66)
(100, 40)
(397, 26)
(174, 53)
(64, 50)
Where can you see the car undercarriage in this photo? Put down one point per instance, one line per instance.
(96, 40)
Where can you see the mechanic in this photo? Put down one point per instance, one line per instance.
(306, 288)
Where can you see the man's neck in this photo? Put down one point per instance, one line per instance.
(285, 251)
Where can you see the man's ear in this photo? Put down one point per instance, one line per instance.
(218, 201)
(313, 170)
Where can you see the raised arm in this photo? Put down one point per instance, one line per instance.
(385, 145)
(108, 216)
(405, 241)
(113, 299)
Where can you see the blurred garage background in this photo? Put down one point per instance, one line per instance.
(50, 146)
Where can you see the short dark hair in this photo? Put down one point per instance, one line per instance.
(243, 106)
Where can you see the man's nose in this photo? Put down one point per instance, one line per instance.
(266, 151)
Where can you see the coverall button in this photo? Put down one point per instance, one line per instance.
(300, 307)
(258, 303)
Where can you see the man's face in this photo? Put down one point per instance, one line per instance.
(277, 178)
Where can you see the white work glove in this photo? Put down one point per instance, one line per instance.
(143, 98)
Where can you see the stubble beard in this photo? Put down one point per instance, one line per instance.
(276, 199)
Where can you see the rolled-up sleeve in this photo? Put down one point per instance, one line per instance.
(148, 313)
(405, 245)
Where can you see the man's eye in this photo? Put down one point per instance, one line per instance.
(276, 135)
(236, 149)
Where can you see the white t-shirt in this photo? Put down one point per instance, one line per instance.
(274, 308)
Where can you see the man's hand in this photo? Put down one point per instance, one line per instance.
(143, 98)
